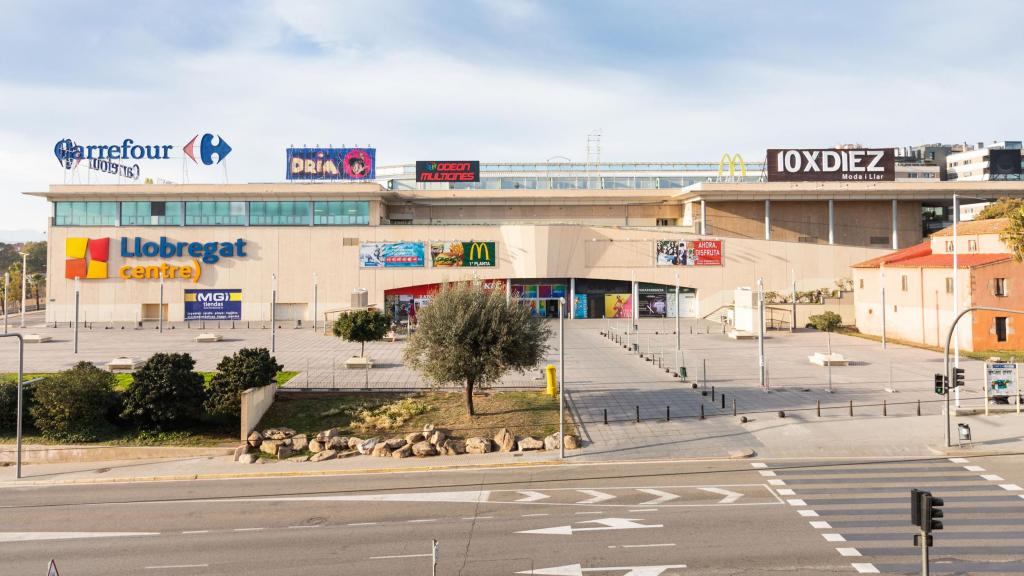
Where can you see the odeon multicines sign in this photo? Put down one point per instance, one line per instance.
(88, 258)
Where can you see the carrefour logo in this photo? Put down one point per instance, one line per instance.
(69, 153)
(207, 149)
(86, 257)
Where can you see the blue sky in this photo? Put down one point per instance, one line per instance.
(493, 79)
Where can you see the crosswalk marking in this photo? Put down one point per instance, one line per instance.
(1011, 487)
(808, 513)
(821, 524)
(848, 551)
(834, 537)
(973, 468)
(867, 568)
(992, 477)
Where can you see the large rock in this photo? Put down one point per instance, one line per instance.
(323, 455)
(326, 435)
(354, 442)
(381, 450)
(478, 445)
(571, 442)
(403, 452)
(505, 440)
(428, 429)
(437, 437)
(316, 446)
(366, 446)
(422, 449)
(299, 442)
(530, 443)
(284, 451)
(396, 443)
(452, 447)
(255, 439)
(271, 446)
(278, 433)
(414, 438)
(347, 453)
(299, 458)
(338, 443)
(551, 442)
(247, 458)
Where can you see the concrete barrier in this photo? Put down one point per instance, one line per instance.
(255, 403)
(47, 454)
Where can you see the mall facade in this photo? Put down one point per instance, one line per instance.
(614, 239)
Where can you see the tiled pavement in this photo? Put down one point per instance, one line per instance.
(863, 511)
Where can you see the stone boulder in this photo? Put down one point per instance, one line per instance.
(477, 445)
(337, 443)
(347, 453)
(254, 439)
(323, 455)
(428, 429)
(284, 451)
(505, 440)
(316, 446)
(278, 433)
(299, 458)
(437, 437)
(414, 438)
(299, 442)
(423, 449)
(403, 452)
(247, 458)
(380, 450)
(271, 447)
(551, 442)
(366, 446)
(530, 443)
(353, 442)
(326, 435)
(396, 443)
(452, 447)
(571, 442)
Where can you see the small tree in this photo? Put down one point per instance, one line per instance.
(827, 321)
(74, 405)
(165, 391)
(247, 368)
(472, 337)
(1001, 208)
(37, 281)
(1013, 234)
(362, 326)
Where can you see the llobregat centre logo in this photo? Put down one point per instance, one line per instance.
(78, 265)
(207, 149)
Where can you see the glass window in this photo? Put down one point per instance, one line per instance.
(949, 285)
(86, 213)
(1000, 328)
(279, 213)
(215, 213)
(999, 287)
(150, 213)
(341, 213)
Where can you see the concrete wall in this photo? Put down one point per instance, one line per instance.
(255, 403)
(983, 294)
(523, 251)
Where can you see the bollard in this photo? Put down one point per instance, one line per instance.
(712, 393)
(885, 411)
(733, 406)
(851, 407)
(637, 414)
(605, 416)
(918, 407)
(818, 402)
(701, 411)
(668, 414)
(723, 401)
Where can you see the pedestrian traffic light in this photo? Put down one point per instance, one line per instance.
(940, 383)
(930, 509)
(958, 377)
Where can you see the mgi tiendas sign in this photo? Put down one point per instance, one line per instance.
(213, 304)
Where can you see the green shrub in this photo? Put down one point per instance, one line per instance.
(361, 326)
(74, 405)
(247, 368)
(164, 392)
(827, 321)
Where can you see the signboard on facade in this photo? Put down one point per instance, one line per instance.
(618, 306)
(457, 254)
(653, 305)
(331, 164)
(1000, 378)
(211, 304)
(688, 253)
(391, 255)
(447, 171)
(831, 165)
(579, 306)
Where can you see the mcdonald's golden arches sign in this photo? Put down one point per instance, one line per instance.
(455, 254)
(733, 162)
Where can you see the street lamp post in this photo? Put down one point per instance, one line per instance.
(679, 331)
(21, 377)
(273, 312)
(956, 292)
(314, 300)
(77, 300)
(760, 332)
(561, 378)
(161, 316)
(7, 291)
(24, 284)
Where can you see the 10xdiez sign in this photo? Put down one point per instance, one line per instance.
(831, 165)
(213, 304)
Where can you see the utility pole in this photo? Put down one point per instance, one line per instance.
(956, 290)
(679, 331)
(561, 378)
(760, 332)
(315, 287)
(24, 284)
(77, 300)
(7, 291)
(273, 312)
(882, 284)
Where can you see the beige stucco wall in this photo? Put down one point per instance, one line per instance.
(523, 251)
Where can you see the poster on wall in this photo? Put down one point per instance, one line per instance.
(653, 305)
(331, 164)
(579, 306)
(1001, 378)
(209, 304)
(618, 306)
(688, 253)
(391, 255)
(456, 254)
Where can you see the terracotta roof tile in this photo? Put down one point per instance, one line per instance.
(922, 249)
(946, 261)
(992, 226)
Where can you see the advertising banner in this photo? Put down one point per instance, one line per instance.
(1000, 378)
(331, 164)
(688, 253)
(653, 305)
(618, 306)
(211, 304)
(579, 306)
(391, 255)
(455, 254)
(448, 171)
(831, 165)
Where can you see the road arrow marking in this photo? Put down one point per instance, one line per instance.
(606, 524)
(730, 496)
(597, 497)
(662, 497)
(531, 496)
(578, 570)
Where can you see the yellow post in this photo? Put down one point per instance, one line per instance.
(549, 372)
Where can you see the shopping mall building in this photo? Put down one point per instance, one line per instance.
(613, 238)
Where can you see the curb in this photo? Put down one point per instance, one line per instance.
(978, 451)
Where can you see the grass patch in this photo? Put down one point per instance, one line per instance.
(284, 376)
(366, 415)
(1003, 355)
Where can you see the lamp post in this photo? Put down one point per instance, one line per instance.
(273, 312)
(77, 299)
(561, 377)
(760, 332)
(679, 331)
(314, 300)
(161, 317)
(21, 377)
(24, 284)
(956, 295)
(7, 291)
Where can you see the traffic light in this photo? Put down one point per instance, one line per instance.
(940, 383)
(915, 505)
(958, 377)
(930, 509)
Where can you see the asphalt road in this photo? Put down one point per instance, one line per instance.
(735, 517)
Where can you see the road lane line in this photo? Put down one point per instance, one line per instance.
(848, 551)
(168, 567)
(644, 510)
(31, 536)
(581, 513)
(534, 515)
(786, 492)
(196, 532)
(776, 482)
(361, 524)
(834, 537)
(303, 526)
(767, 473)
(248, 529)
(400, 556)
(866, 568)
(758, 464)
(421, 520)
(973, 468)
(808, 513)
(820, 524)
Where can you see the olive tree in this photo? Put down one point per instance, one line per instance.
(472, 337)
(362, 326)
